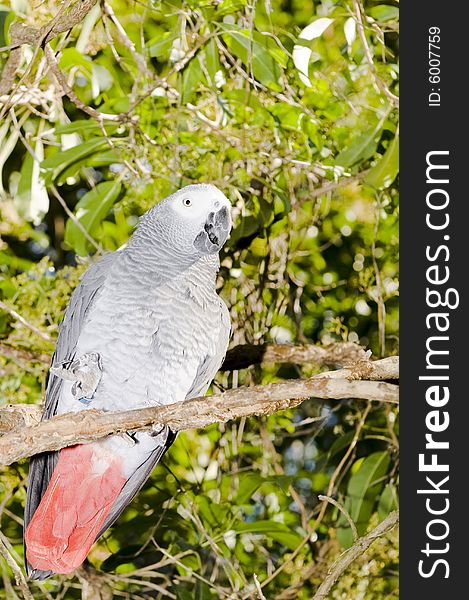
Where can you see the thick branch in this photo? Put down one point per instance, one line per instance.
(14, 416)
(334, 355)
(378, 370)
(89, 425)
(66, 18)
(338, 354)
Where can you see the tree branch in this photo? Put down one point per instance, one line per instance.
(17, 572)
(66, 18)
(20, 354)
(354, 552)
(358, 7)
(338, 354)
(89, 425)
(22, 320)
(67, 90)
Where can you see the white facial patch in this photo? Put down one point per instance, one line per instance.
(195, 203)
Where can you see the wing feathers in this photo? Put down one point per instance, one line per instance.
(42, 466)
(78, 498)
(135, 483)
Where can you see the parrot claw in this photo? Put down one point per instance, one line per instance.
(85, 372)
(159, 433)
(128, 437)
(85, 401)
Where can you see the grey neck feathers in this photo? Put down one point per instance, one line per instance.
(152, 255)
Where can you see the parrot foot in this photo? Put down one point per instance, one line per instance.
(85, 372)
(159, 433)
(128, 437)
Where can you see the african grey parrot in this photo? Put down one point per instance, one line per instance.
(144, 327)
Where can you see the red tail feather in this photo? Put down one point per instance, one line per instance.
(80, 494)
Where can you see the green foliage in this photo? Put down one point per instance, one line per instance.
(90, 212)
(308, 154)
(362, 489)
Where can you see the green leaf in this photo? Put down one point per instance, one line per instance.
(192, 561)
(212, 61)
(361, 148)
(15, 262)
(161, 45)
(212, 514)
(31, 199)
(6, 17)
(364, 480)
(99, 159)
(340, 443)
(58, 162)
(71, 57)
(385, 171)
(228, 7)
(277, 531)
(259, 51)
(23, 194)
(383, 12)
(388, 501)
(192, 76)
(247, 227)
(90, 211)
(249, 483)
(362, 489)
(85, 125)
(102, 159)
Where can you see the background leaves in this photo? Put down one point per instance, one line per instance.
(171, 93)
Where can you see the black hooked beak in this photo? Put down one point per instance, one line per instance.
(216, 231)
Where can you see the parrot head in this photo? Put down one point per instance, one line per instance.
(195, 221)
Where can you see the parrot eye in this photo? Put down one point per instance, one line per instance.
(187, 202)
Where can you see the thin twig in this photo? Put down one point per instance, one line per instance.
(19, 577)
(21, 34)
(77, 222)
(67, 90)
(343, 510)
(335, 185)
(124, 38)
(343, 461)
(322, 512)
(379, 287)
(369, 57)
(258, 588)
(24, 322)
(20, 354)
(346, 559)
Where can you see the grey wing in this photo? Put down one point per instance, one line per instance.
(205, 373)
(136, 481)
(212, 362)
(83, 297)
(77, 310)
